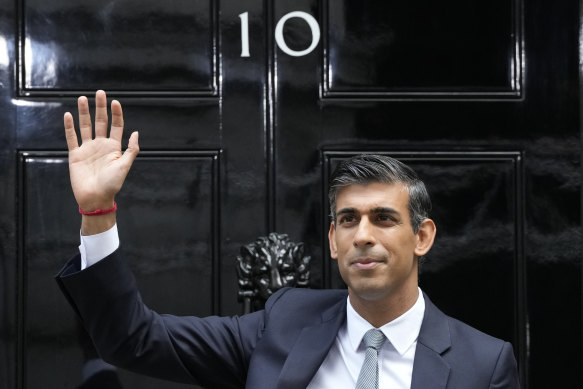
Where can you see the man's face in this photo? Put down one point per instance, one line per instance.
(374, 242)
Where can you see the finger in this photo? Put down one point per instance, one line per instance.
(132, 151)
(84, 119)
(70, 134)
(100, 114)
(116, 121)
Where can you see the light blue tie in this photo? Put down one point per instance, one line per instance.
(369, 373)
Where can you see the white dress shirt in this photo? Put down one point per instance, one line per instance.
(342, 365)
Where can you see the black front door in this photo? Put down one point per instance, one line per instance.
(244, 107)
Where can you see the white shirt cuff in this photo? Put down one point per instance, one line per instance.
(94, 248)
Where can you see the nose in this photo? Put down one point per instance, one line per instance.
(364, 236)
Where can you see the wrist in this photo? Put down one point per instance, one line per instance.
(99, 211)
(92, 225)
(88, 207)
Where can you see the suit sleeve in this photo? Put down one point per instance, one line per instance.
(210, 351)
(505, 374)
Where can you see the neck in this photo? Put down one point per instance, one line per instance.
(381, 311)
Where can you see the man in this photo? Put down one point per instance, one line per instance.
(303, 338)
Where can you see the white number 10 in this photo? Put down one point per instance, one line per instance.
(314, 27)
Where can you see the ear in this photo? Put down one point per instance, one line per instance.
(332, 241)
(425, 237)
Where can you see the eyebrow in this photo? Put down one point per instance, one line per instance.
(385, 210)
(376, 210)
(346, 210)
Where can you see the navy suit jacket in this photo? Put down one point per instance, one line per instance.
(281, 346)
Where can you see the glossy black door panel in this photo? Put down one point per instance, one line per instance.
(422, 49)
(478, 257)
(151, 47)
(45, 343)
(181, 252)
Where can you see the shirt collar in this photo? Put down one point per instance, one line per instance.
(402, 332)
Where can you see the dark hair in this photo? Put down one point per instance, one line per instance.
(369, 168)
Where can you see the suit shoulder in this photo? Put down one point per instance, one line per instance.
(301, 296)
(480, 358)
(462, 332)
(456, 339)
(303, 303)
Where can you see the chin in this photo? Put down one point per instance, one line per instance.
(369, 292)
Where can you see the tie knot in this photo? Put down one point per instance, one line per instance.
(374, 338)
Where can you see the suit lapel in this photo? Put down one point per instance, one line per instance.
(311, 348)
(430, 370)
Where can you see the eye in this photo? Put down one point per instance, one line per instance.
(347, 219)
(386, 218)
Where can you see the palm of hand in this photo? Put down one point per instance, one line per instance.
(97, 173)
(98, 168)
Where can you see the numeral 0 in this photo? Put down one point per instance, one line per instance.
(314, 27)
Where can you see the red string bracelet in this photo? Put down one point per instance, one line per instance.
(99, 212)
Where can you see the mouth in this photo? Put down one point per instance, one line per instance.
(366, 263)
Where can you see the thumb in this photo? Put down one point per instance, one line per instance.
(133, 149)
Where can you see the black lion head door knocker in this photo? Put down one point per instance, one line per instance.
(268, 264)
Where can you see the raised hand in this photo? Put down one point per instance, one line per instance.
(98, 168)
